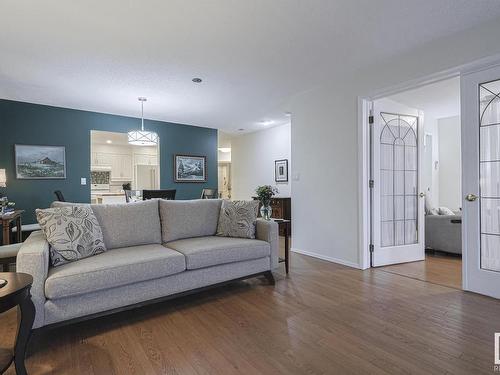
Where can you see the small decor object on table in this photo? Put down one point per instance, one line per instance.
(188, 168)
(281, 170)
(264, 194)
(16, 292)
(40, 162)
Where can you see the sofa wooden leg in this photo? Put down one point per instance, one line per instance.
(269, 277)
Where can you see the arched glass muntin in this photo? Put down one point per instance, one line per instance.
(489, 174)
(399, 179)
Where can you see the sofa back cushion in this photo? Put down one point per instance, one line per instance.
(129, 224)
(67, 204)
(189, 218)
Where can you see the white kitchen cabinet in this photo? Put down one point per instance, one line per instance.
(142, 159)
(101, 159)
(121, 167)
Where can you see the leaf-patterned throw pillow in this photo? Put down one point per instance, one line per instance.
(237, 219)
(73, 233)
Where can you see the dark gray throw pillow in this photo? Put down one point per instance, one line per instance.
(237, 219)
(73, 233)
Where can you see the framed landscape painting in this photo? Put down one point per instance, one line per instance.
(40, 162)
(189, 168)
(281, 170)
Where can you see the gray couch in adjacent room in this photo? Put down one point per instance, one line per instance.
(156, 249)
(444, 233)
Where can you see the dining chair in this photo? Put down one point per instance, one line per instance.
(132, 195)
(162, 194)
(59, 196)
(209, 194)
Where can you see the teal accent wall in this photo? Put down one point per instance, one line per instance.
(33, 124)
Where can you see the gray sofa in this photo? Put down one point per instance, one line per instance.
(444, 233)
(156, 250)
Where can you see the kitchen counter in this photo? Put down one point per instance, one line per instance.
(107, 194)
(107, 197)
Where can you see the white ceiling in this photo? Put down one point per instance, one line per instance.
(439, 100)
(253, 55)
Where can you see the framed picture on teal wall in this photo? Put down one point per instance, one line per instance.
(40, 162)
(189, 168)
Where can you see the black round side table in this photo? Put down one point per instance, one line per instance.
(17, 293)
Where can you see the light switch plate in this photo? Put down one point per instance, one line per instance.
(296, 176)
(83, 181)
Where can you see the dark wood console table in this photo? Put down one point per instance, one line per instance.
(8, 218)
(282, 209)
(285, 227)
(17, 293)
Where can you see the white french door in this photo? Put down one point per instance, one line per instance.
(397, 202)
(480, 95)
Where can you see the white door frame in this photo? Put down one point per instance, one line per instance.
(364, 106)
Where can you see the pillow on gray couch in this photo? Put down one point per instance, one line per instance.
(445, 211)
(237, 219)
(72, 232)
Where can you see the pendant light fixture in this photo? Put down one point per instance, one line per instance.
(142, 137)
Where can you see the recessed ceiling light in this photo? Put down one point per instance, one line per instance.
(197, 80)
(109, 141)
(266, 122)
(241, 129)
(225, 149)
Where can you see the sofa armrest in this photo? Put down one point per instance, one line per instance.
(267, 230)
(33, 259)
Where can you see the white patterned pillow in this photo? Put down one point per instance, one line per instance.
(237, 219)
(445, 211)
(73, 233)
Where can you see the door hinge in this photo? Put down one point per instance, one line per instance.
(371, 248)
(371, 184)
(370, 118)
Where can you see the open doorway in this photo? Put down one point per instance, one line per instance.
(117, 166)
(224, 165)
(416, 196)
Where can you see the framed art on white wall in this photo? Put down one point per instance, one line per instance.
(281, 170)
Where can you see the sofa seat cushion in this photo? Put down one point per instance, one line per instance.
(113, 268)
(209, 251)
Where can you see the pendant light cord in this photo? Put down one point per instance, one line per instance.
(142, 115)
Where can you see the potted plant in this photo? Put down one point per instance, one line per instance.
(264, 194)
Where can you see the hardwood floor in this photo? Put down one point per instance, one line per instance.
(322, 319)
(437, 268)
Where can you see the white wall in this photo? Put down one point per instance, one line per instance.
(224, 141)
(325, 141)
(432, 186)
(252, 160)
(450, 194)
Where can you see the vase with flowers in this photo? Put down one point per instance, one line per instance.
(264, 194)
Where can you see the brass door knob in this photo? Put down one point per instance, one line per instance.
(471, 197)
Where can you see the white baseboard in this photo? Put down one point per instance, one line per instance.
(329, 259)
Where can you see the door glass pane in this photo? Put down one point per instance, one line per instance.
(489, 174)
(399, 179)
